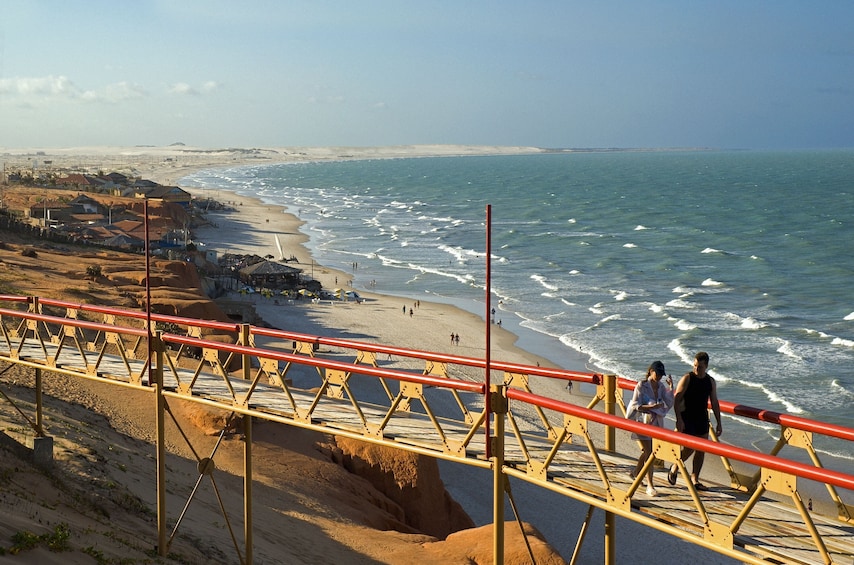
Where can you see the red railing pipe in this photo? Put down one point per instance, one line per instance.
(438, 382)
(805, 424)
(72, 322)
(820, 475)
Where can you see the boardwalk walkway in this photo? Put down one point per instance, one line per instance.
(430, 413)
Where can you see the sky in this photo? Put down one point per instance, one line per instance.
(557, 74)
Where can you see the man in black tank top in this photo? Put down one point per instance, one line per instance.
(693, 394)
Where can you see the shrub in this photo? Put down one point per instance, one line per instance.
(93, 271)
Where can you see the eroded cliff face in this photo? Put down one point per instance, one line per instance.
(411, 480)
(405, 487)
(384, 489)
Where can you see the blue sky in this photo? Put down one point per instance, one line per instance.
(214, 73)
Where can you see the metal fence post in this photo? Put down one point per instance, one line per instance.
(610, 445)
(160, 401)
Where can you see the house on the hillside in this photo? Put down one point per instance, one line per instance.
(93, 233)
(135, 228)
(117, 179)
(78, 180)
(83, 204)
(125, 241)
(142, 186)
(173, 194)
(48, 213)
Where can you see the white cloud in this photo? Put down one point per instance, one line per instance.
(49, 86)
(185, 89)
(124, 91)
(115, 93)
(30, 90)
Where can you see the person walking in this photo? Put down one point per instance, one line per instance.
(697, 389)
(651, 401)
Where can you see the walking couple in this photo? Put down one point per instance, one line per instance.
(653, 399)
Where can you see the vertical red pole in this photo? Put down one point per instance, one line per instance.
(148, 290)
(488, 352)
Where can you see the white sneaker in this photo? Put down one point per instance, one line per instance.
(633, 476)
(650, 491)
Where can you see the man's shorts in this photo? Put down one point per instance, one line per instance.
(696, 429)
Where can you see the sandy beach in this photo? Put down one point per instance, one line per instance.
(251, 228)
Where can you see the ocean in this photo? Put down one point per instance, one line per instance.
(623, 257)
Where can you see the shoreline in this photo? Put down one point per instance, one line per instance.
(277, 221)
(234, 234)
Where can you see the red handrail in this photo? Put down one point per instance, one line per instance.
(439, 382)
(796, 422)
(818, 474)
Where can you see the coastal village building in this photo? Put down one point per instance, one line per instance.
(77, 180)
(47, 213)
(154, 191)
(270, 274)
(141, 187)
(85, 205)
(173, 194)
(116, 223)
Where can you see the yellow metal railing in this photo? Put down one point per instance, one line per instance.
(422, 405)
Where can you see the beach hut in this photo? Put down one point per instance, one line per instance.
(270, 274)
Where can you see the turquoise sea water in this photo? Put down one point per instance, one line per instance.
(623, 257)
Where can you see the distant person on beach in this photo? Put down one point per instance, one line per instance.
(696, 389)
(650, 403)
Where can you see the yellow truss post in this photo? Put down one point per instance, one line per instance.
(520, 381)
(803, 440)
(437, 369)
(246, 364)
(785, 484)
(39, 406)
(247, 488)
(610, 445)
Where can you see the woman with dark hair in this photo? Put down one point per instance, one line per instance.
(651, 401)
